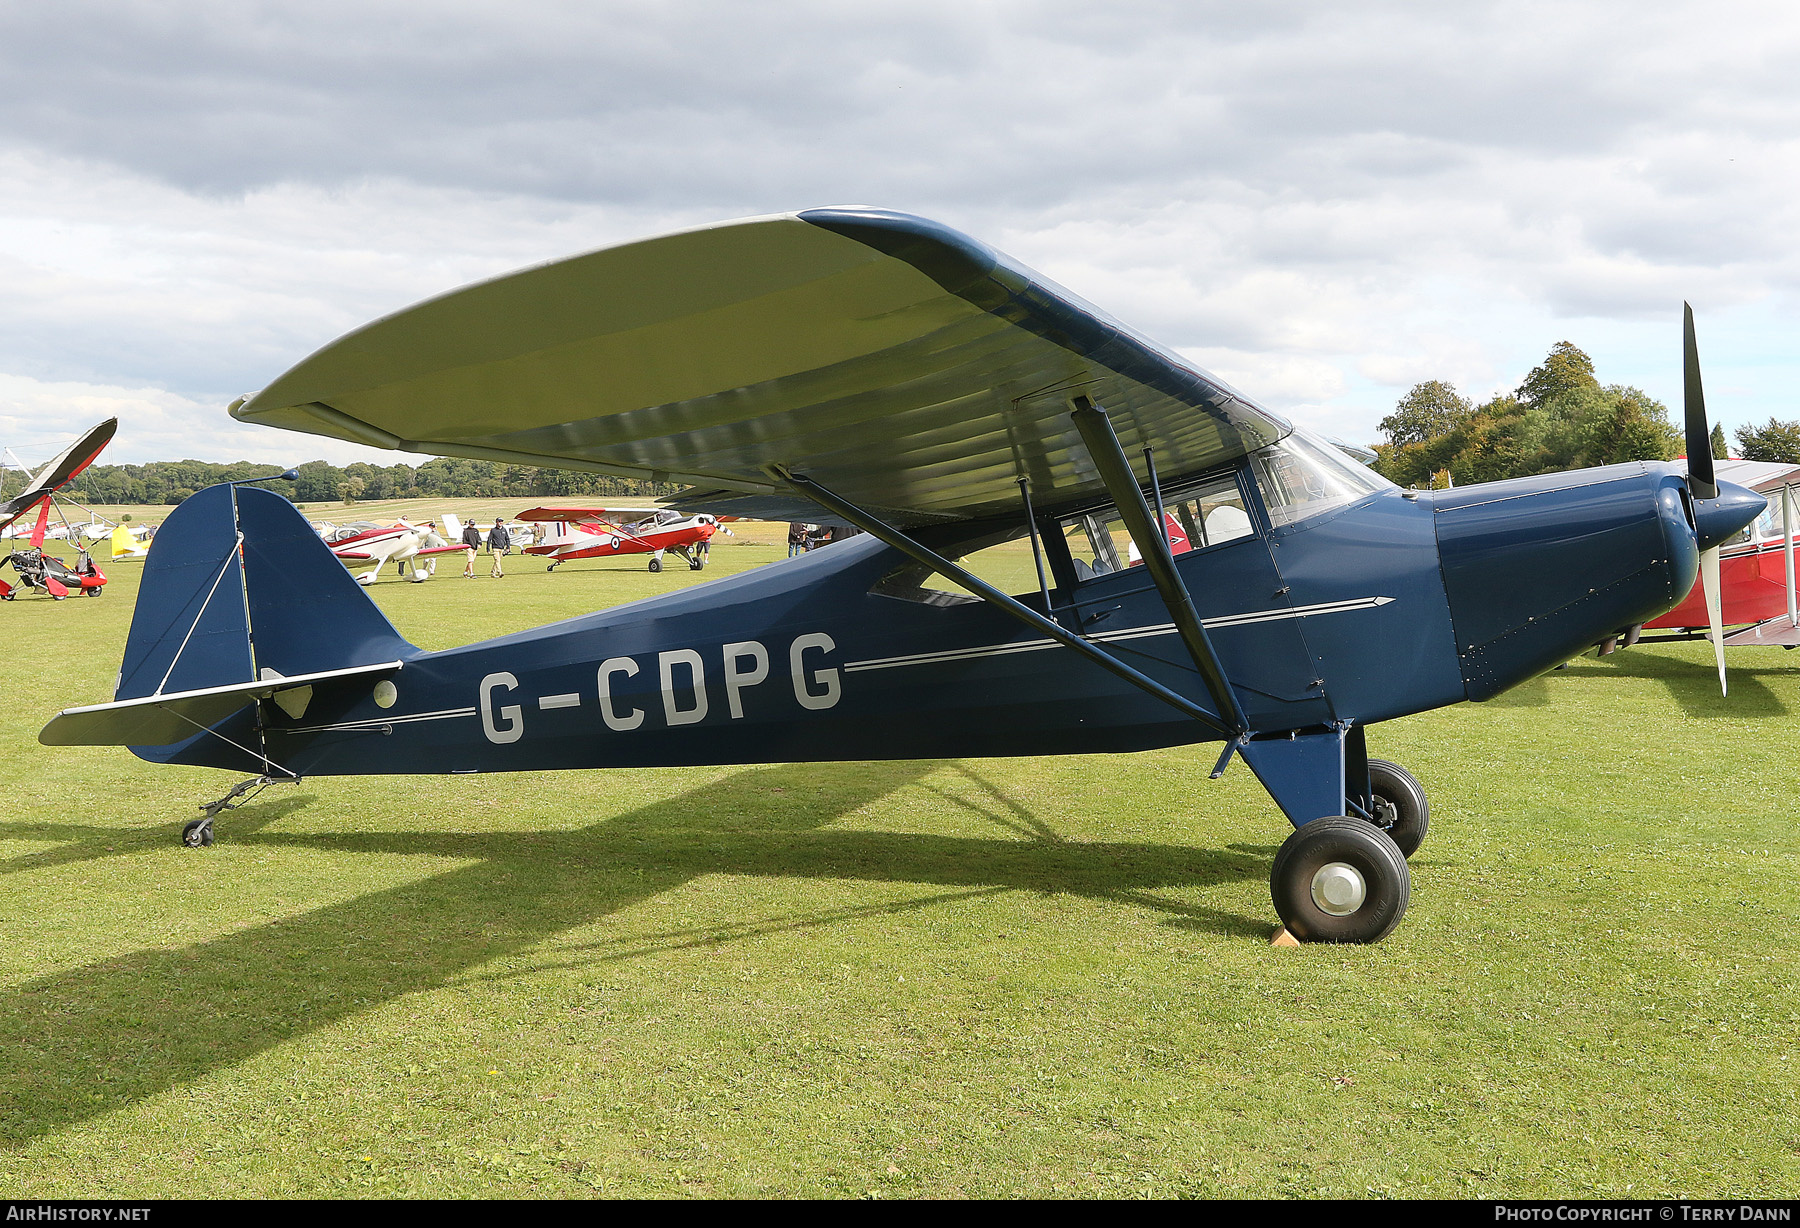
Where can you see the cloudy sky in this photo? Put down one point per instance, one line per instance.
(1322, 202)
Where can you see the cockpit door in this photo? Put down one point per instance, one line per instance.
(1236, 587)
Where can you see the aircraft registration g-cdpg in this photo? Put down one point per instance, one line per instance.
(875, 369)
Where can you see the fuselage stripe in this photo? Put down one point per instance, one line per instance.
(378, 722)
(1107, 637)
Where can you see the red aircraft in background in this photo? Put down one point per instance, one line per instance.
(602, 532)
(35, 568)
(1756, 591)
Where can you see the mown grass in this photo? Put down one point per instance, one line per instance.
(991, 978)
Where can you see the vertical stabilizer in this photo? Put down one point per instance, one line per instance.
(237, 584)
(190, 629)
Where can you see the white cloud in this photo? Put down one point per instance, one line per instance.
(1328, 202)
(38, 418)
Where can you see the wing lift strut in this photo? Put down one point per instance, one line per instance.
(1115, 472)
(1310, 774)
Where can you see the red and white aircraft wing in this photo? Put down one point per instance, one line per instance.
(543, 514)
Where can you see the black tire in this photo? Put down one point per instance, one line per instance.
(1324, 857)
(198, 834)
(655, 564)
(1400, 806)
(696, 564)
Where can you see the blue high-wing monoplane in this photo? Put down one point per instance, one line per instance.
(879, 370)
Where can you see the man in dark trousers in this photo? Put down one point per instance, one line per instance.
(499, 541)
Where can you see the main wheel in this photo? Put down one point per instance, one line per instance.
(655, 564)
(696, 564)
(1340, 880)
(1400, 806)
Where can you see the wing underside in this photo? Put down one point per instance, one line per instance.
(897, 362)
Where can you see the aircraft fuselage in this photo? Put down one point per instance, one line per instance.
(1391, 605)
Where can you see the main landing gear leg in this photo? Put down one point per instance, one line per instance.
(199, 833)
(1339, 877)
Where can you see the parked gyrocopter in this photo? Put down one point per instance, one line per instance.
(35, 569)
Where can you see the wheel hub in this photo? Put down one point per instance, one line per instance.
(1338, 889)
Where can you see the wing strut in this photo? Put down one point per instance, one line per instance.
(1147, 529)
(885, 532)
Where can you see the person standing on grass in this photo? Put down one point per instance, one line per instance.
(796, 539)
(471, 540)
(500, 542)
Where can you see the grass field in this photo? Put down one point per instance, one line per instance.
(987, 978)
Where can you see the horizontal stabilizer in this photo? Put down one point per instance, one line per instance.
(161, 720)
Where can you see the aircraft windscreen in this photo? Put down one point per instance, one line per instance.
(1303, 476)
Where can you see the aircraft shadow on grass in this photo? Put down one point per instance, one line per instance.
(1696, 687)
(77, 1044)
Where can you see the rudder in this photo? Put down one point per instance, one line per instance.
(213, 613)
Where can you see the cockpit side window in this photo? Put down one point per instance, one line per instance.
(1195, 516)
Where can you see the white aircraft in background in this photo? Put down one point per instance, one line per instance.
(400, 542)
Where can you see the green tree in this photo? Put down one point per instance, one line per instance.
(1565, 370)
(1719, 450)
(1778, 441)
(1429, 410)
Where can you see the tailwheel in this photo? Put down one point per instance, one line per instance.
(1340, 880)
(552, 567)
(1400, 806)
(198, 834)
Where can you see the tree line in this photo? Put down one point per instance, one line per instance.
(1559, 417)
(445, 477)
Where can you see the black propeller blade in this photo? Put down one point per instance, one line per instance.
(1701, 479)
